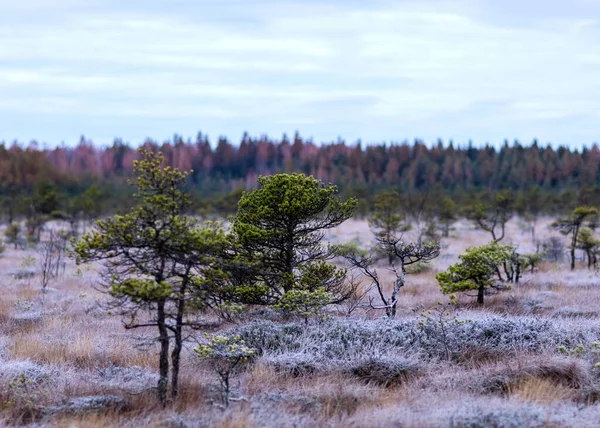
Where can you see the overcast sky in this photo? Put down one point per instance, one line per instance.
(376, 70)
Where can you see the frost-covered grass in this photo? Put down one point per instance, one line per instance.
(526, 358)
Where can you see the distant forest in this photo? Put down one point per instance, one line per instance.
(563, 177)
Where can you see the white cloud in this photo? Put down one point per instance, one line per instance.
(380, 71)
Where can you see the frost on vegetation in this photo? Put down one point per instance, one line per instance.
(567, 372)
(337, 339)
(37, 374)
(130, 377)
(384, 371)
(91, 403)
(574, 312)
(526, 416)
(482, 412)
(19, 274)
(294, 363)
(532, 305)
(227, 355)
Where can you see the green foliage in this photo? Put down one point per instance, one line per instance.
(575, 219)
(229, 311)
(155, 257)
(572, 225)
(494, 216)
(12, 233)
(140, 290)
(587, 242)
(226, 355)
(387, 218)
(27, 261)
(435, 324)
(447, 214)
(475, 269)
(531, 260)
(304, 303)
(22, 397)
(278, 231)
(419, 267)
(592, 349)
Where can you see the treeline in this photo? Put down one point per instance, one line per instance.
(565, 178)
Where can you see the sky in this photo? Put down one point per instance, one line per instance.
(480, 70)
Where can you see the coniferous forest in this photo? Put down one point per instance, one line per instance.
(562, 178)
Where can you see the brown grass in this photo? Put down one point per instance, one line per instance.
(540, 390)
(71, 337)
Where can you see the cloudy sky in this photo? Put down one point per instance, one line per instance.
(377, 70)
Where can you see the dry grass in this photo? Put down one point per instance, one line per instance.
(540, 391)
(74, 345)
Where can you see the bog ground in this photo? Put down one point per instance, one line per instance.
(525, 358)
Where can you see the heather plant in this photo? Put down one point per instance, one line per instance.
(590, 350)
(436, 324)
(343, 339)
(227, 355)
(22, 398)
(554, 249)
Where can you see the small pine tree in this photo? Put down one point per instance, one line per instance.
(587, 242)
(279, 229)
(572, 225)
(304, 303)
(12, 233)
(226, 355)
(447, 215)
(476, 269)
(490, 218)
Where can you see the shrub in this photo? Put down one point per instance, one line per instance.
(561, 371)
(554, 249)
(384, 371)
(226, 355)
(303, 303)
(482, 337)
(294, 364)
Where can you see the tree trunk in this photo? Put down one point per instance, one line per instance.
(163, 338)
(289, 261)
(480, 294)
(573, 243)
(397, 287)
(503, 225)
(176, 353)
(499, 274)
